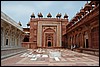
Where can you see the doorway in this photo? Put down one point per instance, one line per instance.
(86, 43)
(49, 44)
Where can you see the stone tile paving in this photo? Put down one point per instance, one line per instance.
(68, 58)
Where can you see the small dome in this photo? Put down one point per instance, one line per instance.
(32, 15)
(65, 16)
(58, 15)
(40, 14)
(78, 14)
(74, 18)
(94, 3)
(72, 21)
(87, 6)
(49, 15)
(82, 11)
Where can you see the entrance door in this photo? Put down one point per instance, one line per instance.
(86, 43)
(49, 44)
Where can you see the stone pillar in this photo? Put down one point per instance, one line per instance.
(74, 39)
(20, 39)
(81, 40)
(89, 38)
(71, 42)
(68, 40)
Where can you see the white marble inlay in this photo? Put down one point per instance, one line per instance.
(24, 55)
(44, 55)
(33, 58)
(56, 58)
(33, 55)
(30, 55)
(55, 54)
(38, 55)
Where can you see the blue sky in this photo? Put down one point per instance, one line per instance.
(22, 10)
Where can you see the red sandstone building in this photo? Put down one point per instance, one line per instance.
(46, 32)
(82, 31)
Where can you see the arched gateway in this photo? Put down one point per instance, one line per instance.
(47, 32)
(49, 37)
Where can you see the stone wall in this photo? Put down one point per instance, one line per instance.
(84, 31)
(11, 36)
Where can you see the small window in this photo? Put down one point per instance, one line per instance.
(6, 41)
(49, 39)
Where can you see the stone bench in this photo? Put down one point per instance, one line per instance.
(88, 50)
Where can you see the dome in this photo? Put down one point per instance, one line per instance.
(65, 16)
(40, 14)
(49, 15)
(58, 15)
(32, 15)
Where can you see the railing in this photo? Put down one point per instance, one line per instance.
(11, 21)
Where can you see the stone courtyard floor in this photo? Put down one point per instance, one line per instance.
(42, 57)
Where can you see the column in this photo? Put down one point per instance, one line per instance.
(89, 38)
(82, 39)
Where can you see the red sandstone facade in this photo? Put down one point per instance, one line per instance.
(82, 30)
(46, 32)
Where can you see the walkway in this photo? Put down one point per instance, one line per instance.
(41, 57)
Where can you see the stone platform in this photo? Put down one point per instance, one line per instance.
(41, 57)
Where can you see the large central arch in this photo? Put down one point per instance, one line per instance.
(48, 27)
(49, 38)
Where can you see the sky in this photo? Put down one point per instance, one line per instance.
(22, 10)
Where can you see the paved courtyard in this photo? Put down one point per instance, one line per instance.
(51, 57)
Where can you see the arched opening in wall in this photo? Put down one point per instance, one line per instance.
(26, 39)
(86, 44)
(6, 41)
(49, 44)
(49, 38)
